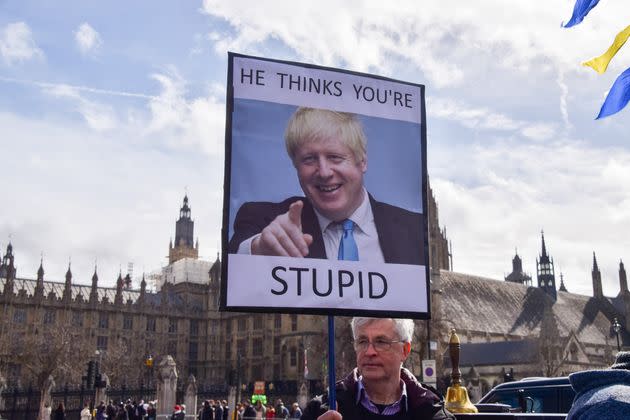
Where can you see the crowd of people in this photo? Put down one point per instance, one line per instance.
(249, 411)
(131, 410)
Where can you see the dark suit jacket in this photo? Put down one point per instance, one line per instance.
(399, 230)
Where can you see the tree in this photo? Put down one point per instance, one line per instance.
(52, 353)
(122, 363)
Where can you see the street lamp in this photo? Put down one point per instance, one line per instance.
(617, 329)
(148, 362)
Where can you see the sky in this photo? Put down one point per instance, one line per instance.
(111, 111)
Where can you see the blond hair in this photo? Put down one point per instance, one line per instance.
(313, 124)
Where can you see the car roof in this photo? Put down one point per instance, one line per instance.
(532, 382)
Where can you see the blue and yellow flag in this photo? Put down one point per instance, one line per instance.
(619, 93)
(580, 10)
(618, 96)
(600, 64)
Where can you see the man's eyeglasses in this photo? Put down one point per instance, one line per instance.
(379, 344)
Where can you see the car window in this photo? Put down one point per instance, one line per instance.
(567, 395)
(543, 400)
(538, 400)
(509, 397)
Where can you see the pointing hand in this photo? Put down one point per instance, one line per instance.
(283, 236)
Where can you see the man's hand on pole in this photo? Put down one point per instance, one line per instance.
(283, 236)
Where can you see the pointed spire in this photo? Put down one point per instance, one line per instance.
(94, 288)
(118, 299)
(40, 271)
(597, 279)
(595, 268)
(69, 272)
(38, 293)
(623, 279)
(545, 271)
(143, 290)
(67, 291)
(562, 286)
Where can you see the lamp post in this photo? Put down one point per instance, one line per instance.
(148, 362)
(617, 329)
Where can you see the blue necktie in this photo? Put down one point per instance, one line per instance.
(347, 246)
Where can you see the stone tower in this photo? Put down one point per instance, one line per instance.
(545, 271)
(440, 257)
(518, 275)
(184, 229)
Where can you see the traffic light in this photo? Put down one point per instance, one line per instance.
(91, 374)
(98, 378)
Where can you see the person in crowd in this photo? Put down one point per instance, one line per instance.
(151, 411)
(218, 410)
(238, 412)
(111, 410)
(259, 409)
(296, 412)
(226, 410)
(270, 414)
(121, 412)
(249, 412)
(85, 413)
(206, 411)
(281, 411)
(59, 413)
(329, 152)
(130, 408)
(47, 411)
(178, 414)
(602, 394)
(379, 387)
(101, 411)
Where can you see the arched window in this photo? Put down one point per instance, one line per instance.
(293, 356)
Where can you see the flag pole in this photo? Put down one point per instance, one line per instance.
(332, 400)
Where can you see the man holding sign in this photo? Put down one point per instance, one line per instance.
(337, 218)
(379, 387)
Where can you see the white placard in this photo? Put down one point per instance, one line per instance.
(317, 88)
(283, 282)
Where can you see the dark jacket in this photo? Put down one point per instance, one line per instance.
(58, 414)
(249, 412)
(399, 230)
(206, 413)
(422, 402)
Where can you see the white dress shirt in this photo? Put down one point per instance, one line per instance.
(364, 233)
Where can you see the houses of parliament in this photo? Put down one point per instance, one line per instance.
(506, 325)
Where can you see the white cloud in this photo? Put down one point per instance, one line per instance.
(87, 39)
(17, 44)
(482, 118)
(118, 189)
(98, 116)
(197, 122)
(442, 38)
(509, 191)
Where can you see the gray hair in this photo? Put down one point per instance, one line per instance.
(403, 327)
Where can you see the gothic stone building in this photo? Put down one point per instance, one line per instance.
(504, 325)
(513, 328)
